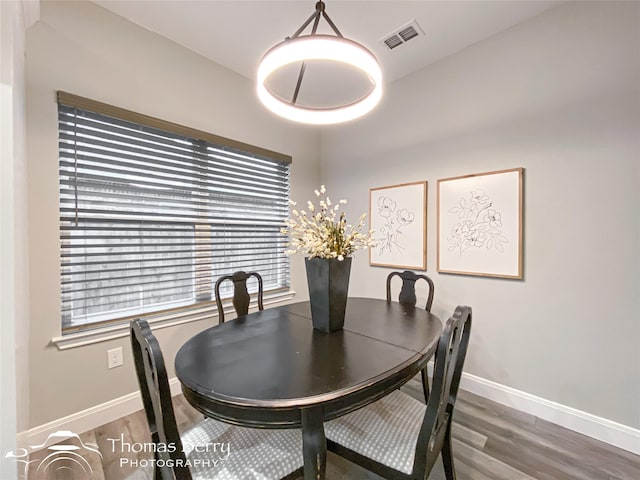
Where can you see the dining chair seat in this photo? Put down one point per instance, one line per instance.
(253, 453)
(386, 431)
(398, 437)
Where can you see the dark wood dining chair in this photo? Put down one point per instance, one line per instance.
(250, 452)
(398, 437)
(407, 296)
(241, 297)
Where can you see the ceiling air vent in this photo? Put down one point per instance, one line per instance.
(402, 35)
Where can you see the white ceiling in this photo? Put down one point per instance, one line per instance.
(237, 33)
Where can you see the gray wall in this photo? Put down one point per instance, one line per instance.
(83, 49)
(558, 95)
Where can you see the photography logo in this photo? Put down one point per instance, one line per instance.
(65, 457)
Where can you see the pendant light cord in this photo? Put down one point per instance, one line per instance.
(320, 11)
(315, 17)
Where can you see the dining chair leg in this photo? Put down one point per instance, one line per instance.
(447, 454)
(425, 384)
(160, 470)
(314, 444)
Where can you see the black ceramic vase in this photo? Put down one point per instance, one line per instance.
(328, 281)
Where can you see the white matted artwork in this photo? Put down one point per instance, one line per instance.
(480, 224)
(398, 216)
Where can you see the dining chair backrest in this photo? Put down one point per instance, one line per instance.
(407, 294)
(449, 360)
(156, 397)
(241, 297)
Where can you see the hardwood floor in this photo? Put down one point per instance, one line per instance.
(491, 442)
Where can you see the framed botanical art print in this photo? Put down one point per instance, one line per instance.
(398, 217)
(480, 224)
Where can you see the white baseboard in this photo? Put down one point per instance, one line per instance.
(587, 424)
(88, 419)
(599, 428)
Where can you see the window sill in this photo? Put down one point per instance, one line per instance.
(81, 339)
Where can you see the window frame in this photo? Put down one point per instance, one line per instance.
(102, 330)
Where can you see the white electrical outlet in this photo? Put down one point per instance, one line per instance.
(114, 357)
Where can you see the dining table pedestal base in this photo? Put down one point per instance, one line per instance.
(314, 444)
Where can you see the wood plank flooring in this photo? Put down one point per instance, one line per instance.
(491, 442)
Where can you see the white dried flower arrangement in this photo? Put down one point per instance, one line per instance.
(323, 232)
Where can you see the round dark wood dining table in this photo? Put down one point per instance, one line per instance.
(271, 369)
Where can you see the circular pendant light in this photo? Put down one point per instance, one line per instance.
(319, 47)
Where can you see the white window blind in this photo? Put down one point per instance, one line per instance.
(150, 218)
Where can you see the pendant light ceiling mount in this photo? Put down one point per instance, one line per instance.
(305, 48)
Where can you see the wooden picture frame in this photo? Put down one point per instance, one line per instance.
(398, 216)
(480, 224)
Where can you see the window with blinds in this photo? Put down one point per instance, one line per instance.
(152, 213)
